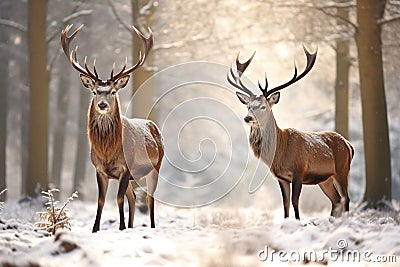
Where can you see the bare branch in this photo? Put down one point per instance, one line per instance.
(68, 19)
(146, 9)
(355, 27)
(117, 17)
(349, 4)
(322, 9)
(13, 24)
(389, 20)
(77, 14)
(333, 4)
(168, 46)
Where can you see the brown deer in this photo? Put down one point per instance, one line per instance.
(121, 148)
(295, 156)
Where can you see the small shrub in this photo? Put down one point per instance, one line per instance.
(54, 217)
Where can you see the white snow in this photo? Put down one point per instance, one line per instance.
(208, 236)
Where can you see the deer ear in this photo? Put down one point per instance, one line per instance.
(274, 98)
(121, 82)
(87, 81)
(243, 98)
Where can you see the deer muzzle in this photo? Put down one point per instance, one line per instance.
(103, 107)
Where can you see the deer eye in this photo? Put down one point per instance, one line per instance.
(113, 92)
(94, 92)
(263, 107)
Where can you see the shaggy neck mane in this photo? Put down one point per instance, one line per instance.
(265, 140)
(105, 131)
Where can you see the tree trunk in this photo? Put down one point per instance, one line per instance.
(82, 149)
(59, 134)
(39, 94)
(3, 110)
(373, 101)
(342, 79)
(24, 131)
(142, 104)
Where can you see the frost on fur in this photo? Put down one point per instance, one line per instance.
(2, 203)
(54, 217)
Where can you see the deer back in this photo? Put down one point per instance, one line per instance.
(318, 154)
(142, 146)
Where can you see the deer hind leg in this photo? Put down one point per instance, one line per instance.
(330, 191)
(102, 184)
(340, 182)
(122, 187)
(296, 190)
(285, 190)
(131, 196)
(151, 180)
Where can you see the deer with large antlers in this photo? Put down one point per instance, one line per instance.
(295, 157)
(121, 148)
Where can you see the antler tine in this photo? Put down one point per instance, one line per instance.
(112, 71)
(240, 67)
(266, 84)
(311, 58)
(72, 55)
(113, 78)
(148, 44)
(235, 81)
(280, 87)
(94, 69)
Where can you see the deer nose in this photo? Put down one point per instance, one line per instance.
(247, 119)
(102, 105)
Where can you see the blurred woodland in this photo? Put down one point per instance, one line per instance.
(355, 88)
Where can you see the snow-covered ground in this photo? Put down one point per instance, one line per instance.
(208, 236)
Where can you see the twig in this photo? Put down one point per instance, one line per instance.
(13, 24)
(146, 9)
(80, 13)
(117, 17)
(389, 20)
(75, 194)
(68, 19)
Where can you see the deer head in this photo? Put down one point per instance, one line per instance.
(259, 106)
(104, 91)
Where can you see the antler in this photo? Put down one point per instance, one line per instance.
(73, 58)
(72, 55)
(240, 67)
(147, 43)
(310, 63)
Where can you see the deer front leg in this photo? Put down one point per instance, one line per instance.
(285, 190)
(102, 184)
(130, 194)
(122, 186)
(296, 190)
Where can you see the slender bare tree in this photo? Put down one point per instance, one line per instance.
(61, 121)
(4, 76)
(373, 100)
(342, 74)
(39, 96)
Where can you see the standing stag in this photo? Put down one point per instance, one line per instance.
(295, 156)
(121, 148)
